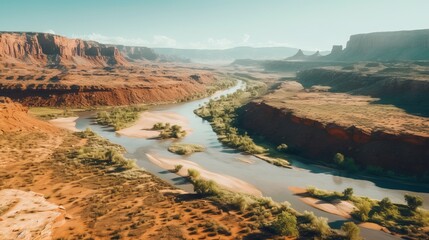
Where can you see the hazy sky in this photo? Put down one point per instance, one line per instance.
(307, 24)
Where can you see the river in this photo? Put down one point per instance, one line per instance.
(271, 180)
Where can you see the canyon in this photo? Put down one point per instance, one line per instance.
(317, 124)
(41, 69)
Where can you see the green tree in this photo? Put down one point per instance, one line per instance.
(413, 202)
(348, 193)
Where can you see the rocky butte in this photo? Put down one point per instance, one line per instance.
(41, 69)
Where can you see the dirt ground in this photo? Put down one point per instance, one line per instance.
(95, 202)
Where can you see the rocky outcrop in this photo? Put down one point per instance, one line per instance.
(137, 53)
(50, 49)
(408, 92)
(87, 96)
(318, 140)
(385, 46)
(14, 117)
(300, 56)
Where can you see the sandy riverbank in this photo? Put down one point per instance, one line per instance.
(340, 208)
(227, 182)
(143, 127)
(68, 123)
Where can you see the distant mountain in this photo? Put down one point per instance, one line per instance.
(137, 53)
(231, 54)
(300, 56)
(385, 46)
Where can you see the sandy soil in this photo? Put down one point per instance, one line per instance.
(95, 202)
(142, 128)
(68, 123)
(340, 208)
(374, 226)
(24, 214)
(227, 182)
(346, 110)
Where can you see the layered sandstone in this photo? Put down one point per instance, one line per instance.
(50, 49)
(319, 124)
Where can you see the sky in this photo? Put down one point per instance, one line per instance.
(214, 24)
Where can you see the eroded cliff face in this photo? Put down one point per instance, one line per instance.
(56, 95)
(137, 53)
(399, 45)
(49, 49)
(318, 140)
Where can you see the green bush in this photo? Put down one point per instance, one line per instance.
(206, 188)
(282, 147)
(338, 158)
(185, 148)
(168, 131)
(318, 226)
(285, 225)
(193, 174)
(177, 168)
(351, 230)
(413, 202)
(119, 117)
(348, 193)
(362, 211)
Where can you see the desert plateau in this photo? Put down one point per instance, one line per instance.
(214, 120)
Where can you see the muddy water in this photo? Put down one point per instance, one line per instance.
(272, 181)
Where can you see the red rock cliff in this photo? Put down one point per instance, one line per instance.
(49, 49)
(313, 139)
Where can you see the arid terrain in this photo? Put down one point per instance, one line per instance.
(88, 199)
(318, 123)
(49, 70)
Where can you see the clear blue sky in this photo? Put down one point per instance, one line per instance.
(307, 24)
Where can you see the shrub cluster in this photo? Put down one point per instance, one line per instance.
(222, 113)
(169, 131)
(119, 117)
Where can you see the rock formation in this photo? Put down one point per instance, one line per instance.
(54, 50)
(137, 53)
(300, 56)
(385, 46)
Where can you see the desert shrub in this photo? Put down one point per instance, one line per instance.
(348, 193)
(206, 188)
(285, 225)
(351, 230)
(119, 117)
(282, 147)
(362, 211)
(338, 158)
(177, 168)
(193, 174)
(168, 131)
(158, 126)
(185, 148)
(317, 226)
(413, 202)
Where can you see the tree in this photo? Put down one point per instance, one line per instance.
(348, 193)
(285, 224)
(385, 204)
(413, 202)
(339, 158)
(352, 231)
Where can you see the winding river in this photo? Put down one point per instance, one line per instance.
(272, 181)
